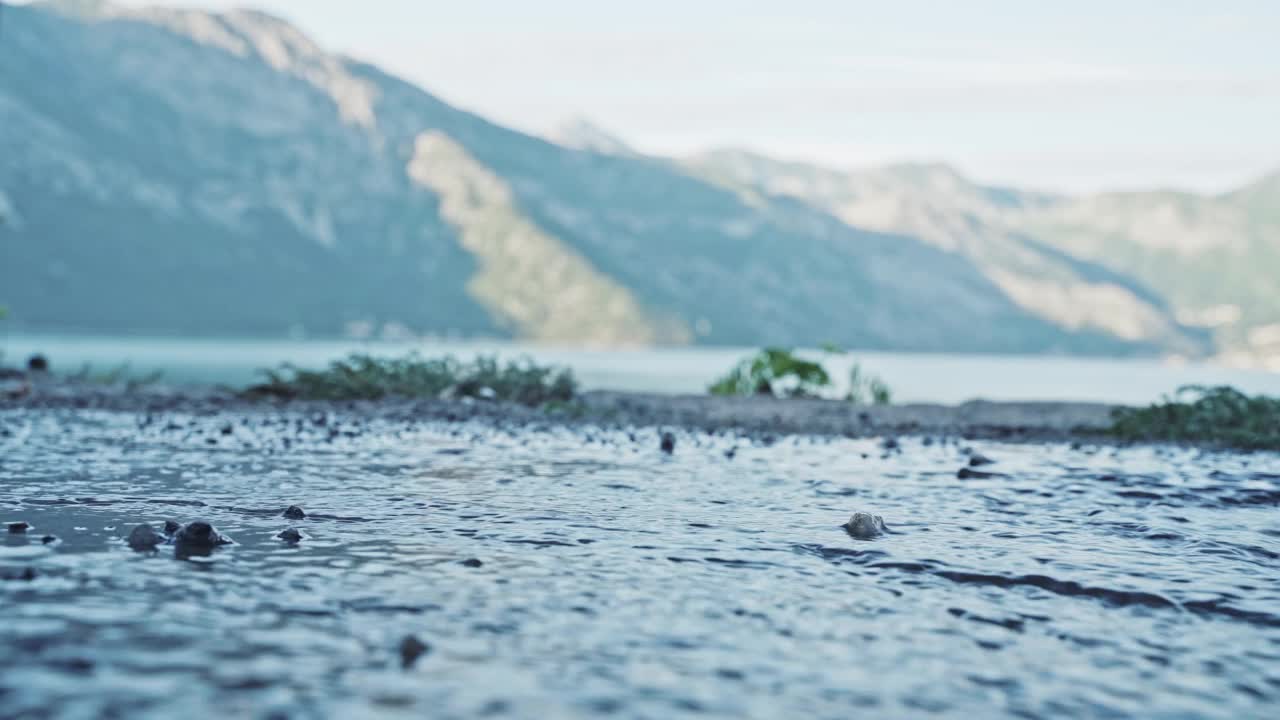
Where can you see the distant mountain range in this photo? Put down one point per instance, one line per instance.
(185, 172)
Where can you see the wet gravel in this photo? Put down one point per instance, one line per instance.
(380, 566)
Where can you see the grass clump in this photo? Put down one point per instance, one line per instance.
(119, 375)
(779, 372)
(867, 389)
(364, 377)
(1218, 415)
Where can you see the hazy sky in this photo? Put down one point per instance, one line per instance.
(1079, 95)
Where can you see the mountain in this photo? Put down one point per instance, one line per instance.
(1216, 258)
(185, 172)
(580, 133)
(1141, 265)
(936, 204)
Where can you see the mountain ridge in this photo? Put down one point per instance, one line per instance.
(237, 178)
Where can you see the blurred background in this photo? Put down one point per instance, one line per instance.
(995, 198)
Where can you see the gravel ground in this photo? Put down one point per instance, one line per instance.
(1026, 421)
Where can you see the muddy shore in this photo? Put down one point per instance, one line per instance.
(1012, 421)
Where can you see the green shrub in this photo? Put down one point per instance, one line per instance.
(364, 377)
(1219, 415)
(779, 372)
(773, 371)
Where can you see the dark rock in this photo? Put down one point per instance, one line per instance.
(19, 528)
(731, 452)
(668, 442)
(49, 539)
(199, 534)
(293, 512)
(967, 473)
(290, 535)
(38, 363)
(890, 444)
(26, 574)
(472, 563)
(171, 527)
(977, 459)
(144, 537)
(411, 648)
(865, 526)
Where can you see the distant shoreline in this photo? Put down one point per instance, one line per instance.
(753, 416)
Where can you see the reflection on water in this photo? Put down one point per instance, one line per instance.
(913, 377)
(564, 574)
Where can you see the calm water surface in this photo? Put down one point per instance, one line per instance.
(913, 377)
(613, 580)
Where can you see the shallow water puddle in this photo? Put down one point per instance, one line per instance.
(574, 573)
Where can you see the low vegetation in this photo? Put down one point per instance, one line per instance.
(1217, 415)
(779, 372)
(364, 377)
(119, 375)
(867, 389)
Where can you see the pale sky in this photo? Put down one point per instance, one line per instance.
(1081, 95)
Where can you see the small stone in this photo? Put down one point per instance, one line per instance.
(865, 526)
(199, 534)
(668, 442)
(890, 444)
(473, 563)
(171, 527)
(293, 512)
(49, 539)
(38, 363)
(20, 527)
(143, 538)
(411, 648)
(967, 473)
(26, 574)
(977, 459)
(290, 535)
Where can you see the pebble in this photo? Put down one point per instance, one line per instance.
(668, 442)
(199, 534)
(966, 473)
(865, 526)
(411, 648)
(473, 563)
(977, 459)
(144, 537)
(26, 574)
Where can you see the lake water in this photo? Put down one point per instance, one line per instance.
(586, 574)
(913, 377)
